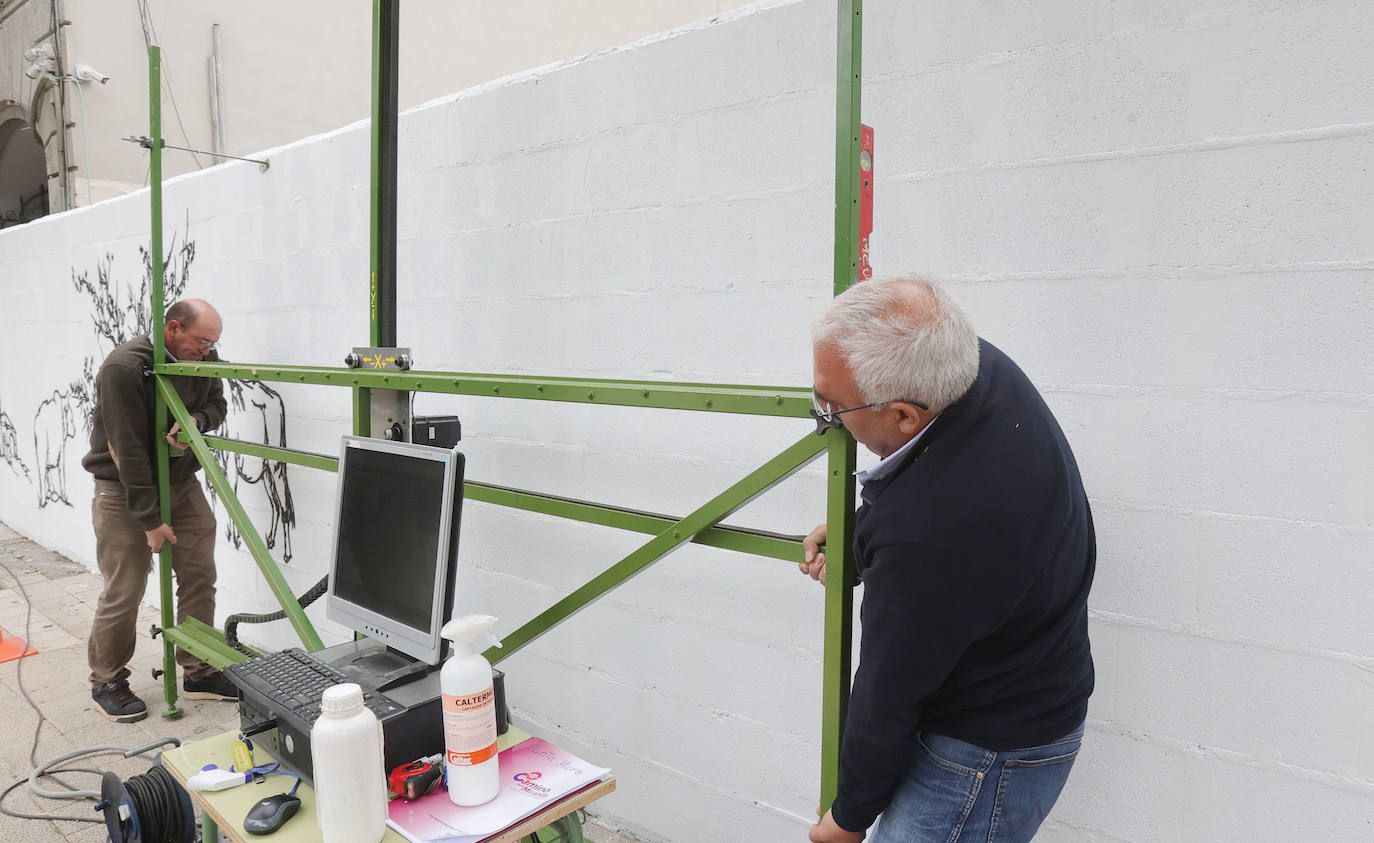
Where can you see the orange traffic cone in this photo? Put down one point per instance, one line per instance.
(12, 648)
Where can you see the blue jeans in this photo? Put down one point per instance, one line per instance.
(955, 792)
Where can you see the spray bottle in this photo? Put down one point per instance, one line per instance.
(473, 771)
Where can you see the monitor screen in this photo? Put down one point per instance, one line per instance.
(395, 542)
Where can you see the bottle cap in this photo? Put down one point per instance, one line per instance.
(462, 631)
(341, 697)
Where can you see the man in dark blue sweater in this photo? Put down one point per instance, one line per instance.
(976, 549)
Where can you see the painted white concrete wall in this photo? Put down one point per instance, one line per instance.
(1157, 208)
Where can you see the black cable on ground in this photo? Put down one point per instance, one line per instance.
(231, 623)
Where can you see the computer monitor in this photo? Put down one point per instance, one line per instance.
(396, 543)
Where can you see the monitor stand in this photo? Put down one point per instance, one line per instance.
(374, 665)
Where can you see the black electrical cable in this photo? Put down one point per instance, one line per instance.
(231, 623)
(157, 805)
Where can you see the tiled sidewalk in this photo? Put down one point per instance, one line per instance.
(62, 595)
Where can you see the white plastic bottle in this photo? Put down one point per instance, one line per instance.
(350, 784)
(470, 761)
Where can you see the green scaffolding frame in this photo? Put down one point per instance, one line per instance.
(701, 526)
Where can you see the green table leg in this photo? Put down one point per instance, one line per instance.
(563, 830)
(209, 832)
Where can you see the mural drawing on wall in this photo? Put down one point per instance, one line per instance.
(266, 403)
(54, 425)
(9, 445)
(119, 312)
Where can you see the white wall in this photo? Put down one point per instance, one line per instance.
(1157, 208)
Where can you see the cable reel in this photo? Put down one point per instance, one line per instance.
(148, 808)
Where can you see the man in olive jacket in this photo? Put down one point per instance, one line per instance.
(125, 511)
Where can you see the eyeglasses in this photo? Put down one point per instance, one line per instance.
(827, 419)
(203, 344)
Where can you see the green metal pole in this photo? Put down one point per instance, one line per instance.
(160, 447)
(362, 411)
(362, 398)
(847, 143)
(783, 401)
(375, 221)
(839, 607)
(839, 597)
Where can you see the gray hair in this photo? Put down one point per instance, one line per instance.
(904, 339)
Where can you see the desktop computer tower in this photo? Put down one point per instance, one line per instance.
(416, 731)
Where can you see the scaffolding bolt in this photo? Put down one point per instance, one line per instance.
(708, 402)
(157, 673)
(777, 399)
(539, 387)
(591, 396)
(496, 390)
(154, 630)
(645, 393)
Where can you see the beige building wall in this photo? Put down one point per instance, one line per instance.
(289, 69)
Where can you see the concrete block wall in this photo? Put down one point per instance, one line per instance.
(1160, 210)
(1155, 207)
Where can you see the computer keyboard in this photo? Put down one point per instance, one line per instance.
(292, 680)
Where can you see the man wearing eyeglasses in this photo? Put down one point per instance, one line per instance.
(126, 514)
(976, 549)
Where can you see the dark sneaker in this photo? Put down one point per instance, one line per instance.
(213, 686)
(117, 702)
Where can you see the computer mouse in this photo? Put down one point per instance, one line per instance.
(269, 814)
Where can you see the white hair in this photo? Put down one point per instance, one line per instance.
(903, 339)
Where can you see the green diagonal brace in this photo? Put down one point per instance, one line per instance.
(251, 537)
(758, 481)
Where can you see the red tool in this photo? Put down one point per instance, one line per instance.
(413, 780)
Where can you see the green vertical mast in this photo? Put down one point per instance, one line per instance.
(169, 667)
(839, 597)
